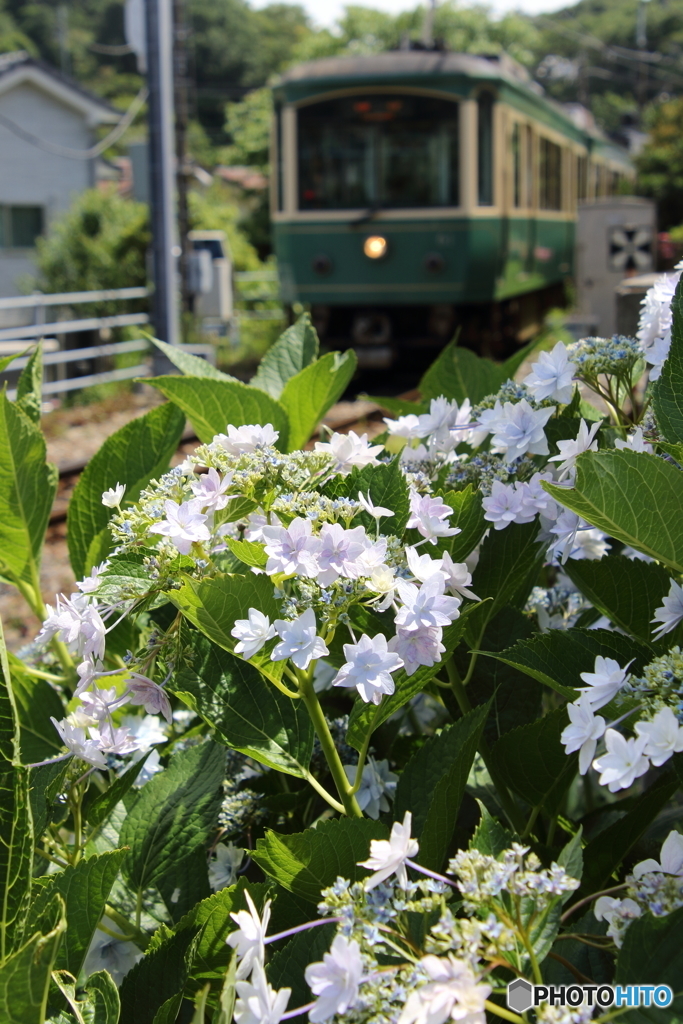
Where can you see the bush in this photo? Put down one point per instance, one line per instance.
(355, 686)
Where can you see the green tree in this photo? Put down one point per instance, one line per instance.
(660, 165)
(248, 125)
(100, 242)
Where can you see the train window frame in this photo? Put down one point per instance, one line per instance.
(526, 167)
(486, 170)
(395, 212)
(550, 168)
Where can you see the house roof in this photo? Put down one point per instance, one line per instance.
(19, 67)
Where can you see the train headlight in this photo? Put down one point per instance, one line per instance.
(375, 247)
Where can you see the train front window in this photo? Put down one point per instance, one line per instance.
(380, 151)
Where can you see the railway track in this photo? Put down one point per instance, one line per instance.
(343, 416)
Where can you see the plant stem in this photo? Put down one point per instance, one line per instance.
(310, 699)
(78, 823)
(364, 753)
(136, 935)
(508, 804)
(500, 1011)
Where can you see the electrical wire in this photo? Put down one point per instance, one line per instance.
(80, 154)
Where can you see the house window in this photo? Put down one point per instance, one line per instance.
(20, 226)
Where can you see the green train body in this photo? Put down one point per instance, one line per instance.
(459, 165)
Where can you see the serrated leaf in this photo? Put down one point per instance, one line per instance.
(369, 716)
(558, 657)
(295, 349)
(45, 783)
(627, 591)
(100, 1005)
(85, 889)
(185, 883)
(211, 405)
(30, 385)
(35, 701)
(468, 516)
(27, 489)
(632, 496)
(16, 833)
(153, 989)
(104, 803)
(458, 374)
(248, 713)
(667, 392)
(397, 406)
(490, 837)
(248, 552)
(386, 485)
(173, 814)
(211, 921)
(307, 396)
(192, 366)
(213, 606)
(25, 978)
(287, 967)
(432, 785)
(309, 861)
(571, 859)
(652, 954)
(134, 455)
(603, 854)
(533, 762)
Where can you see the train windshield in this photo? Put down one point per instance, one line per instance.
(380, 151)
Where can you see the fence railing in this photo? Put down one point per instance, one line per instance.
(21, 336)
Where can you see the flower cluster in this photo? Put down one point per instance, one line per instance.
(658, 730)
(653, 887)
(594, 357)
(654, 329)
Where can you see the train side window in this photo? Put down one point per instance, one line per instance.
(516, 165)
(280, 163)
(582, 177)
(485, 149)
(550, 175)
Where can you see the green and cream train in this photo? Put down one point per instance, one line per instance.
(417, 190)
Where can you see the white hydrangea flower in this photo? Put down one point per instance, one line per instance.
(663, 734)
(113, 497)
(224, 864)
(388, 856)
(258, 1002)
(349, 450)
(369, 667)
(583, 732)
(670, 612)
(248, 438)
(183, 525)
(249, 939)
(569, 451)
(107, 953)
(604, 682)
(520, 430)
(377, 786)
(335, 979)
(624, 762)
(451, 993)
(252, 633)
(670, 858)
(552, 376)
(299, 640)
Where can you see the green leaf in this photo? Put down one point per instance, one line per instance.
(508, 567)
(558, 657)
(634, 497)
(104, 803)
(532, 760)
(309, 861)
(45, 784)
(25, 978)
(27, 489)
(248, 552)
(288, 965)
(173, 814)
(151, 993)
(295, 349)
(571, 859)
(627, 591)
(432, 785)
(192, 366)
(35, 701)
(607, 850)
(85, 889)
(211, 405)
(100, 1005)
(213, 606)
(369, 716)
(133, 456)
(387, 486)
(226, 1002)
(248, 713)
(468, 516)
(509, 368)
(490, 837)
(307, 396)
(652, 954)
(667, 392)
(458, 374)
(211, 921)
(30, 385)
(16, 834)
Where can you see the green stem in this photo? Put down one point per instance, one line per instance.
(135, 934)
(324, 794)
(53, 860)
(364, 753)
(508, 804)
(78, 823)
(502, 1012)
(310, 699)
(138, 910)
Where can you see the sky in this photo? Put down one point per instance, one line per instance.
(326, 12)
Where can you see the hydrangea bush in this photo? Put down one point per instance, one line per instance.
(353, 730)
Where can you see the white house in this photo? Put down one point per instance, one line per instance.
(46, 120)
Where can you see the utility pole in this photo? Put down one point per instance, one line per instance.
(165, 249)
(180, 79)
